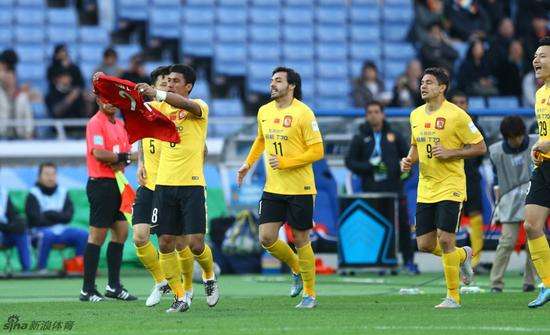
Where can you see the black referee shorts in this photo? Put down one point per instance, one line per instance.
(104, 198)
(297, 210)
(444, 215)
(539, 186)
(179, 210)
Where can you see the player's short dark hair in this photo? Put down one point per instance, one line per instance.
(440, 75)
(374, 103)
(44, 165)
(159, 71)
(512, 126)
(544, 41)
(186, 71)
(457, 93)
(293, 78)
(110, 52)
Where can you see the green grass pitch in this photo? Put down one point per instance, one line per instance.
(260, 305)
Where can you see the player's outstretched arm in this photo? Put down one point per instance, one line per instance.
(313, 153)
(173, 99)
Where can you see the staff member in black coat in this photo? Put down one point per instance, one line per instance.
(374, 155)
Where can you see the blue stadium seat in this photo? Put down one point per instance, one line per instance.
(332, 2)
(150, 66)
(231, 15)
(264, 33)
(230, 52)
(90, 53)
(326, 69)
(504, 102)
(265, 3)
(365, 33)
(365, 14)
(402, 14)
(331, 15)
(298, 15)
(62, 16)
(296, 33)
(306, 69)
(31, 72)
(26, 16)
(331, 103)
(232, 2)
(62, 34)
(165, 17)
(170, 3)
(365, 51)
(197, 49)
(333, 88)
(395, 32)
(332, 51)
(125, 52)
(330, 33)
(32, 3)
(201, 90)
(261, 69)
(164, 32)
(87, 70)
(227, 107)
(399, 51)
(403, 3)
(257, 85)
(198, 15)
(264, 51)
(298, 2)
(94, 35)
(366, 2)
(230, 68)
(6, 17)
(31, 53)
(393, 69)
(200, 2)
(198, 34)
(133, 9)
(227, 33)
(476, 102)
(29, 34)
(264, 15)
(308, 89)
(6, 36)
(298, 51)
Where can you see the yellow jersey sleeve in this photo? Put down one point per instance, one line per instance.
(310, 128)
(466, 130)
(542, 113)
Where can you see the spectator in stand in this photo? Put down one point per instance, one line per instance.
(500, 43)
(15, 102)
(530, 85)
(49, 210)
(369, 86)
(474, 76)
(406, 92)
(526, 11)
(496, 10)
(539, 29)
(65, 100)
(437, 51)
(109, 64)
(468, 19)
(136, 71)
(426, 13)
(511, 72)
(61, 62)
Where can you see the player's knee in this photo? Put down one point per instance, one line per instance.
(426, 247)
(196, 245)
(267, 239)
(167, 244)
(446, 243)
(180, 244)
(140, 237)
(96, 237)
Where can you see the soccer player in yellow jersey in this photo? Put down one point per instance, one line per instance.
(442, 136)
(148, 162)
(290, 140)
(179, 201)
(537, 202)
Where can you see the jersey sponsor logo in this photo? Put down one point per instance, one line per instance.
(307, 188)
(195, 178)
(427, 125)
(440, 123)
(287, 121)
(456, 194)
(472, 127)
(391, 137)
(314, 125)
(98, 140)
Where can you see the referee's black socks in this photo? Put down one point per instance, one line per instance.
(114, 261)
(91, 260)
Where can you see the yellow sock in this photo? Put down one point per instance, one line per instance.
(451, 263)
(282, 251)
(148, 256)
(540, 254)
(171, 268)
(476, 237)
(207, 263)
(306, 259)
(437, 251)
(187, 260)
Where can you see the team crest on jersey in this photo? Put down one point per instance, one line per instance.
(277, 121)
(427, 125)
(173, 116)
(287, 121)
(440, 123)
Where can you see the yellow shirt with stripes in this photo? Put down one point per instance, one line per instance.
(182, 164)
(151, 156)
(288, 132)
(542, 112)
(453, 128)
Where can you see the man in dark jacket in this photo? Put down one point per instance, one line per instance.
(374, 156)
(49, 211)
(13, 231)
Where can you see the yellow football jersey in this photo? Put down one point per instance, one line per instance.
(288, 132)
(542, 112)
(452, 127)
(181, 164)
(151, 156)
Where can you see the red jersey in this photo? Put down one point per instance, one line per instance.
(141, 120)
(103, 134)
